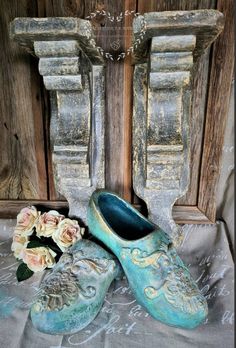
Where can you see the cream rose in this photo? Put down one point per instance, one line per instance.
(47, 223)
(37, 259)
(26, 220)
(19, 244)
(68, 233)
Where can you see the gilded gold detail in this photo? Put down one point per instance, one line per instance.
(174, 280)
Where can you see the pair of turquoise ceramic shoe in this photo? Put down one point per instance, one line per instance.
(72, 295)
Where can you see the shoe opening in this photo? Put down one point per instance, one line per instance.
(124, 221)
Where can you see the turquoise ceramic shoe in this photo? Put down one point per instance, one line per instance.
(71, 296)
(158, 278)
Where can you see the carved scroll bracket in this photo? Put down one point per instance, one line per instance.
(164, 65)
(73, 72)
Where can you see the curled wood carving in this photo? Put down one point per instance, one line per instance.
(164, 65)
(73, 72)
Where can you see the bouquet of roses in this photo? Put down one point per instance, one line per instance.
(39, 239)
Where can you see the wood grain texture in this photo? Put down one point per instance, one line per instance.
(22, 163)
(114, 119)
(130, 5)
(181, 214)
(10, 208)
(25, 115)
(217, 110)
(189, 215)
(174, 5)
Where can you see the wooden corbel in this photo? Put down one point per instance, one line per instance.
(73, 72)
(164, 65)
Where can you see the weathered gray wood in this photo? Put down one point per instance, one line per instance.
(206, 25)
(201, 84)
(118, 102)
(162, 107)
(77, 103)
(56, 49)
(59, 66)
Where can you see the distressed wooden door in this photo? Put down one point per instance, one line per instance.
(26, 173)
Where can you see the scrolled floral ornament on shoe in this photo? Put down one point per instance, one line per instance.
(158, 278)
(73, 292)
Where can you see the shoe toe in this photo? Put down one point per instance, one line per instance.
(72, 294)
(178, 309)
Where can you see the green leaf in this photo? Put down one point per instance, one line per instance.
(55, 249)
(23, 272)
(34, 236)
(35, 244)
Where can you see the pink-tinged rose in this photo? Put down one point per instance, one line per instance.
(68, 233)
(48, 222)
(26, 220)
(19, 244)
(37, 259)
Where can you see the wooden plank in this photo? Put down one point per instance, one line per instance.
(174, 5)
(40, 124)
(22, 160)
(181, 214)
(130, 5)
(217, 110)
(114, 118)
(10, 208)
(189, 215)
